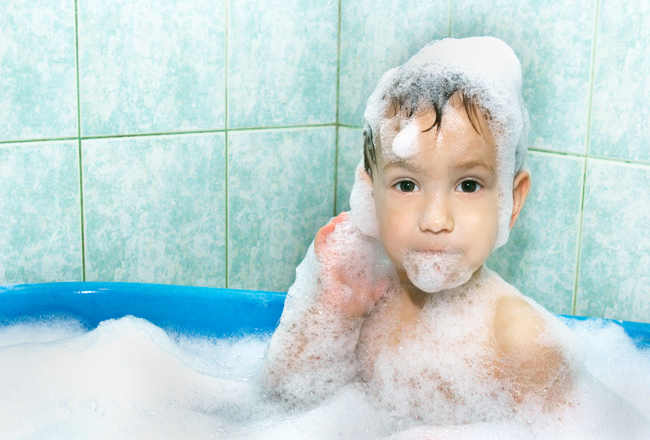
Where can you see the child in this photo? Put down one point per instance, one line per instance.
(395, 295)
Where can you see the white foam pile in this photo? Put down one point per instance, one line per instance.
(129, 379)
(125, 379)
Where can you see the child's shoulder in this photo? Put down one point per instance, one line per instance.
(518, 324)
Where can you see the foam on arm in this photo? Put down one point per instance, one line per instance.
(312, 352)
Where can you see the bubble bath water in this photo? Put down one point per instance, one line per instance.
(130, 379)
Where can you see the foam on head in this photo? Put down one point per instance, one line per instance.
(405, 143)
(487, 73)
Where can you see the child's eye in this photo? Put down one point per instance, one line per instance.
(406, 186)
(468, 186)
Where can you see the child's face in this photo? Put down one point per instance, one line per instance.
(440, 202)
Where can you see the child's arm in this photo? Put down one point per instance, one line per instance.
(312, 352)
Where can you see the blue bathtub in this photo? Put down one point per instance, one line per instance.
(195, 310)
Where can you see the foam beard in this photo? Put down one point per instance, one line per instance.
(435, 271)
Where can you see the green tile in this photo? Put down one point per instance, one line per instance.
(154, 209)
(540, 256)
(377, 35)
(620, 115)
(151, 66)
(350, 153)
(280, 192)
(614, 277)
(553, 40)
(40, 213)
(38, 88)
(282, 62)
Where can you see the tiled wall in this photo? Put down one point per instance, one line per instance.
(203, 142)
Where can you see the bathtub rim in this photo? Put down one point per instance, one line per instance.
(185, 309)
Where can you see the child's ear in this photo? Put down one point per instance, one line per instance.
(520, 188)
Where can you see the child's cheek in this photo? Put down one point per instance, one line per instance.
(485, 231)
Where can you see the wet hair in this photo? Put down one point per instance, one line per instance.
(411, 103)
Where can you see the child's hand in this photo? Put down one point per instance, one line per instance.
(347, 268)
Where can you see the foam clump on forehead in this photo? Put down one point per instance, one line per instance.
(487, 73)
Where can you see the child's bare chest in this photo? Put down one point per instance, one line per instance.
(440, 367)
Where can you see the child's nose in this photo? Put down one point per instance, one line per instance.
(436, 215)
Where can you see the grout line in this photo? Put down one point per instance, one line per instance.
(556, 153)
(618, 160)
(226, 201)
(336, 170)
(82, 213)
(162, 133)
(350, 126)
(587, 144)
(284, 127)
(338, 97)
(31, 141)
(579, 241)
(79, 149)
(450, 17)
(170, 133)
(592, 75)
(591, 156)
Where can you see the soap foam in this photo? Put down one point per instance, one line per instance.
(125, 379)
(435, 271)
(362, 203)
(320, 323)
(405, 143)
(129, 379)
(353, 257)
(43, 330)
